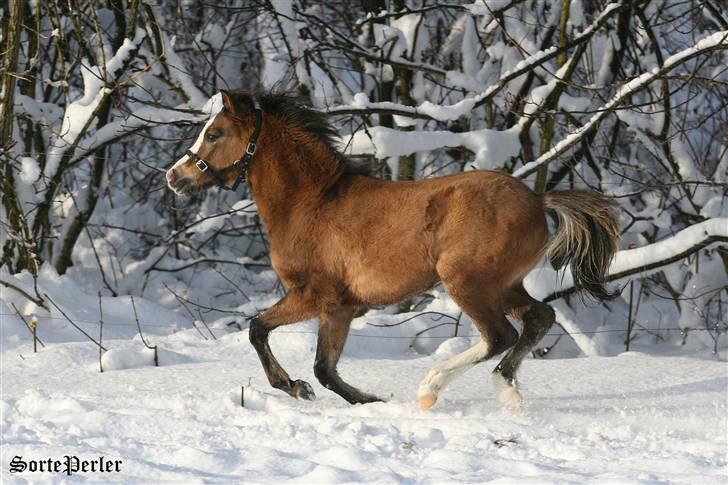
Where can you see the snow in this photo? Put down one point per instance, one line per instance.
(469, 50)
(29, 170)
(132, 354)
(683, 240)
(568, 321)
(39, 111)
(491, 147)
(184, 80)
(716, 207)
(576, 13)
(629, 418)
(122, 55)
(485, 7)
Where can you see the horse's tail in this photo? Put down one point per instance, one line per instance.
(587, 238)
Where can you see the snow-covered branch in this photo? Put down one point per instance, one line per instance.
(491, 147)
(641, 261)
(453, 112)
(716, 41)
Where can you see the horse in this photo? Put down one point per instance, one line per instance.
(340, 241)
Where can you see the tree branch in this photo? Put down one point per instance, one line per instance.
(648, 258)
(717, 41)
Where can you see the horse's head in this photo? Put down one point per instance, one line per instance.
(218, 146)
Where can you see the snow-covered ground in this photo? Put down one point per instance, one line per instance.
(633, 418)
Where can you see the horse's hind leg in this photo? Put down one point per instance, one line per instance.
(333, 329)
(537, 318)
(294, 307)
(497, 334)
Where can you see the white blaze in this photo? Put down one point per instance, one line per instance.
(213, 106)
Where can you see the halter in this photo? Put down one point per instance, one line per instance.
(239, 166)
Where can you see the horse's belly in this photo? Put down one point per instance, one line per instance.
(385, 285)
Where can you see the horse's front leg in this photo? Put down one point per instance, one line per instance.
(333, 330)
(296, 306)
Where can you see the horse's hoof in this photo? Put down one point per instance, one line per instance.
(303, 390)
(366, 399)
(427, 401)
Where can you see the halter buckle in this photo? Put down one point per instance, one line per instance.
(250, 149)
(201, 165)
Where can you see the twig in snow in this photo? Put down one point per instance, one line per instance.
(151, 166)
(208, 308)
(184, 305)
(434, 327)
(501, 442)
(32, 327)
(208, 261)
(101, 332)
(630, 321)
(93, 247)
(98, 262)
(139, 326)
(205, 324)
(457, 324)
(439, 316)
(236, 286)
(73, 323)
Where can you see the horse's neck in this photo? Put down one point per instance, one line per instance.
(287, 178)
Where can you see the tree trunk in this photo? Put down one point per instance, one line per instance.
(404, 83)
(16, 254)
(11, 45)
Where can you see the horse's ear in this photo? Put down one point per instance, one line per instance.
(227, 101)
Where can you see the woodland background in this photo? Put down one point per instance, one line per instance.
(628, 98)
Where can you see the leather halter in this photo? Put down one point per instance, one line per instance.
(239, 166)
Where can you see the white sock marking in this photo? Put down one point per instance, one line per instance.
(444, 373)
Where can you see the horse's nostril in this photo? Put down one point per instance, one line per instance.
(171, 176)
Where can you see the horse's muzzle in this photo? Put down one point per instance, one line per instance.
(180, 185)
(171, 176)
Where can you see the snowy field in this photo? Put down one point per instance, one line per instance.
(633, 418)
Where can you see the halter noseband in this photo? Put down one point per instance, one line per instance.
(239, 166)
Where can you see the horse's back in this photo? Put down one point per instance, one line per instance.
(395, 239)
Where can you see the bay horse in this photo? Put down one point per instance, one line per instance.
(339, 241)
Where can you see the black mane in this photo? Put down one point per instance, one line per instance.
(291, 109)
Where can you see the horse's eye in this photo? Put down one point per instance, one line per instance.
(211, 138)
